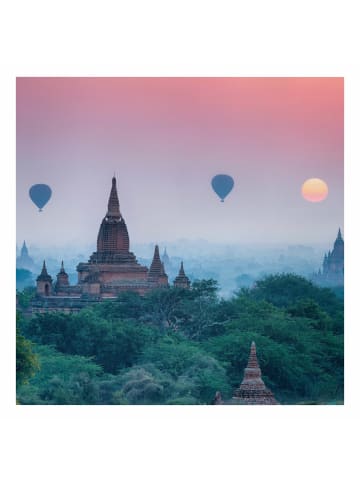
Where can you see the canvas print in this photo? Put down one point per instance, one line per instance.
(180, 241)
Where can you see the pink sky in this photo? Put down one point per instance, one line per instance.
(165, 138)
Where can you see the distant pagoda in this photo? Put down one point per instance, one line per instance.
(24, 261)
(166, 260)
(182, 281)
(157, 271)
(332, 273)
(44, 282)
(252, 390)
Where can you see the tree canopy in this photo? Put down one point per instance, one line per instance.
(179, 346)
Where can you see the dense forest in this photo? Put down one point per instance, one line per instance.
(176, 346)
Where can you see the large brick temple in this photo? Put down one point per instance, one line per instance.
(110, 270)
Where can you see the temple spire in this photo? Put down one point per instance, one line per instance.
(253, 361)
(182, 281)
(157, 271)
(252, 390)
(24, 250)
(44, 275)
(44, 270)
(156, 266)
(339, 234)
(113, 204)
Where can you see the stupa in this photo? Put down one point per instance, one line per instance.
(252, 390)
(182, 281)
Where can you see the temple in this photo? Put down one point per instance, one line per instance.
(110, 270)
(182, 281)
(24, 261)
(332, 273)
(166, 260)
(252, 390)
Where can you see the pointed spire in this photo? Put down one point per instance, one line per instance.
(24, 250)
(113, 204)
(62, 278)
(165, 259)
(252, 390)
(182, 281)
(44, 275)
(156, 267)
(339, 235)
(156, 253)
(253, 361)
(44, 270)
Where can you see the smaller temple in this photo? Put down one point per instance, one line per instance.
(44, 282)
(62, 281)
(252, 390)
(166, 260)
(182, 281)
(24, 261)
(156, 272)
(332, 273)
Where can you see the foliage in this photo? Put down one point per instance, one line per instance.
(25, 296)
(63, 379)
(113, 342)
(24, 278)
(26, 360)
(176, 346)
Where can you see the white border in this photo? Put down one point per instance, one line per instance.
(179, 39)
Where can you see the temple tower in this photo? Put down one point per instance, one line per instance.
(182, 281)
(166, 260)
(24, 261)
(333, 265)
(113, 237)
(44, 282)
(112, 264)
(157, 271)
(336, 261)
(252, 390)
(62, 280)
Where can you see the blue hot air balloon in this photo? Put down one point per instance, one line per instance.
(222, 185)
(40, 195)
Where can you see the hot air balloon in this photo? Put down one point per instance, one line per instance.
(222, 185)
(40, 195)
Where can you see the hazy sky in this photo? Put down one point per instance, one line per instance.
(165, 138)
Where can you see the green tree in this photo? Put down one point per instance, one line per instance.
(26, 361)
(62, 379)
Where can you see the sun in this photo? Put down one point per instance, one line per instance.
(314, 190)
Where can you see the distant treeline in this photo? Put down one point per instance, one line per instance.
(176, 346)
